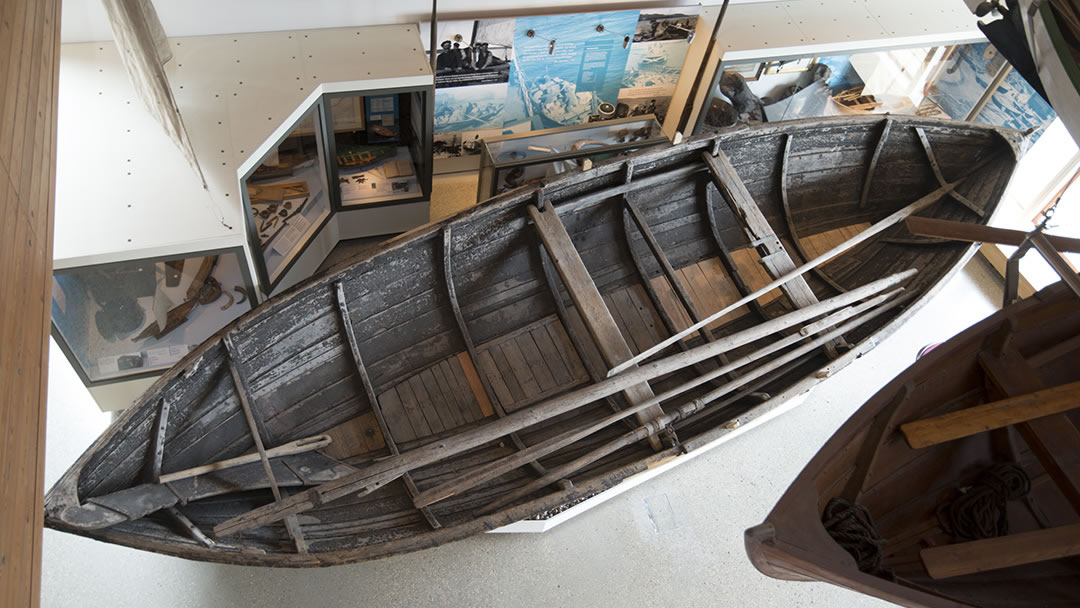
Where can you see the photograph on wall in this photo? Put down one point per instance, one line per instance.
(474, 52)
(565, 68)
(457, 144)
(632, 103)
(469, 108)
(666, 24)
(967, 74)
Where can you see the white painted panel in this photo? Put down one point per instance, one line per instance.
(759, 26)
(921, 17)
(834, 20)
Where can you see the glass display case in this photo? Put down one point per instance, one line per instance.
(286, 197)
(378, 148)
(510, 161)
(131, 319)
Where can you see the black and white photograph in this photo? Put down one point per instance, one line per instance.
(474, 52)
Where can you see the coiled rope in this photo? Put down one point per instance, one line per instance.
(852, 528)
(980, 511)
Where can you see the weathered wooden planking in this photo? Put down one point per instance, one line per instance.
(593, 310)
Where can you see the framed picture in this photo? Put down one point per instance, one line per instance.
(749, 71)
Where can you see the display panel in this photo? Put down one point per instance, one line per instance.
(127, 319)
(374, 146)
(287, 197)
(512, 161)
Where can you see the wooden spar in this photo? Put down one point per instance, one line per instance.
(725, 256)
(158, 444)
(448, 276)
(631, 213)
(965, 201)
(977, 233)
(190, 527)
(692, 407)
(1002, 552)
(863, 236)
(988, 416)
(1056, 261)
(299, 446)
(379, 473)
(373, 399)
(795, 240)
(590, 305)
(499, 467)
(865, 196)
(291, 524)
(576, 341)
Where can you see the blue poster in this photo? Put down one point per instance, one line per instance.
(565, 67)
(967, 74)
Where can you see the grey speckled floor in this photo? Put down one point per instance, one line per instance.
(675, 541)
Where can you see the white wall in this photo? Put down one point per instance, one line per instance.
(84, 20)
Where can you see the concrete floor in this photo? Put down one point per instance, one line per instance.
(675, 541)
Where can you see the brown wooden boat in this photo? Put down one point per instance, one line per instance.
(959, 482)
(462, 370)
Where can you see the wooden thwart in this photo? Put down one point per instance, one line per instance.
(999, 414)
(590, 305)
(1002, 552)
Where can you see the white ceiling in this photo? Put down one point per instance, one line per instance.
(84, 20)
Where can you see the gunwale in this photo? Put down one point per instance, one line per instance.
(65, 491)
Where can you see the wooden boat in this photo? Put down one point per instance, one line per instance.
(461, 370)
(966, 466)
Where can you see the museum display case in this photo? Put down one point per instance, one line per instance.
(286, 197)
(134, 319)
(510, 161)
(378, 146)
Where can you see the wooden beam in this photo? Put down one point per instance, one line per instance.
(977, 233)
(884, 137)
(1055, 440)
(590, 306)
(1002, 552)
(369, 390)
(1057, 262)
(291, 524)
(789, 219)
(711, 194)
(307, 444)
(448, 277)
(774, 257)
(960, 198)
(998, 414)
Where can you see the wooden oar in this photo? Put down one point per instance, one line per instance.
(307, 444)
(493, 469)
(684, 411)
(382, 472)
(977, 233)
(863, 236)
